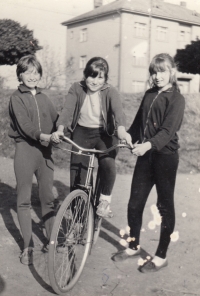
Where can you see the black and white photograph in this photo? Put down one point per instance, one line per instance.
(99, 147)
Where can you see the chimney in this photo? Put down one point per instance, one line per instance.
(183, 4)
(98, 3)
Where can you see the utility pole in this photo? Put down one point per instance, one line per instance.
(120, 52)
(149, 39)
(150, 25)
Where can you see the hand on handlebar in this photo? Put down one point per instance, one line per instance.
(127, 140)
(56, 137)
(124, 137)
(141, 149)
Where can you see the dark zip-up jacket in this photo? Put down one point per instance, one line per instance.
(112, 110)
(31, 115)
(158, 119)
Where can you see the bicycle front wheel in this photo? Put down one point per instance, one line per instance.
(97, 228)
(70, 241)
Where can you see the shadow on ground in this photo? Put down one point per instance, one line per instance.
(39, 269)
(2, 285)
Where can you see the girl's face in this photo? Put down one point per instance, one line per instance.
(161, 78)
(95, 83)
(30, 77)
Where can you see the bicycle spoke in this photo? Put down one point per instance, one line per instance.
(72, 239)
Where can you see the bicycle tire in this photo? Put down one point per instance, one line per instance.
(97, 219)
(70, 245)
(97, 228)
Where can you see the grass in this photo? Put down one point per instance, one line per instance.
(189, 134)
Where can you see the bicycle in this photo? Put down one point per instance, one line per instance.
(76, 227)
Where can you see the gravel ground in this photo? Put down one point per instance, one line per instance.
(101, 276)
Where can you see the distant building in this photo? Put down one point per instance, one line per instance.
(128, 33)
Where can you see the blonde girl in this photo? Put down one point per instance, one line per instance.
(155, 128)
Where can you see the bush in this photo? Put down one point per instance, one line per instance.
(189, 133)
(6, 144)
(190, 136)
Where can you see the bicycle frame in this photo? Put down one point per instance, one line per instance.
(88, 186)
(91, 154)
(76, 227)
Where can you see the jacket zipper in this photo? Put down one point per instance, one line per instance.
(105, 123)
(78, 117)
(37, 113)
(149, 115)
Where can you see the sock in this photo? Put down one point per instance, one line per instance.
(132, 252)
(158, 261)
(105, 197)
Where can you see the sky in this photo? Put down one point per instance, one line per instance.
(44, 17)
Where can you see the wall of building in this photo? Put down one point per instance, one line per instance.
(102, 40)
(132, 46)
(133, 77)
(118, 38)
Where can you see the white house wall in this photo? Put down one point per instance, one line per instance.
(112, 37)
(103, 40)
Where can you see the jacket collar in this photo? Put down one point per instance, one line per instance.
(155, 89)
(23, 88)
(83, 84)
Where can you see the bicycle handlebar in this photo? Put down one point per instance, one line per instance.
(68, 140)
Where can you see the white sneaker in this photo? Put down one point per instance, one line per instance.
(103, 209)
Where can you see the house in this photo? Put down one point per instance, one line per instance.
(128, 33)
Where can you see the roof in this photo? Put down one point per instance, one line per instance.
(160, 9)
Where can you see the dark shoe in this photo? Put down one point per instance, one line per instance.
(123, 255)
(45, 248)
(26, 257)
(150, 266)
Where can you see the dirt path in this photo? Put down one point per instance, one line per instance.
(101, 276)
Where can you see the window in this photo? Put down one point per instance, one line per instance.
(161, 33)
(139, 60)
(71, 34)
(82, 62)
(83, 35)
(184, 36)
(140, 30)
(138, 86)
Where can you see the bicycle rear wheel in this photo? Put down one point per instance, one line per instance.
(70, 242)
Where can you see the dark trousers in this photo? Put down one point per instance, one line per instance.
(159, 170)
(28, 161)
(93, 138)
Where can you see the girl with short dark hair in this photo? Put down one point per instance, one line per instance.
(94, 117)
(32, 120)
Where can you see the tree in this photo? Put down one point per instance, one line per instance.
(51, 66)
(188, 59)
(55, 71)
(16, 41)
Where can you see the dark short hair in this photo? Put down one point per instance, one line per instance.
(24, 63)
(94, 66)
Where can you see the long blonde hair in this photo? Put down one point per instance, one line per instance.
(160, 63)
